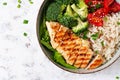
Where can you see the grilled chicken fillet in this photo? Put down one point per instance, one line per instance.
(53, 27)
(87, 58)
(97, 61)
(74, 49)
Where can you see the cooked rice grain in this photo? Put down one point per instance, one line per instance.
(109, 36)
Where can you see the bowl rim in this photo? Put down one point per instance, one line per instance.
(58, 65)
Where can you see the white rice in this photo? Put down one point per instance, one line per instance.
(109, 35)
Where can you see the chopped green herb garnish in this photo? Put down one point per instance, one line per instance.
(25, 22)
(25, 34)
(5, 3)
(19, 1)
(30, 1)
(96, 51)
(102, 43)
(85, 34)
(95, 36)
(92, 9)
(105, 18)
(117, 77)
(18, 6)
(98, 6)
(118, 23)
(90, 3)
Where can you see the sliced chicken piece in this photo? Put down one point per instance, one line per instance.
(87, 58)
(83, 55)
(76, 41)
(72, 58)
(78, 61)
(81, 51)
(97, 61)
(60, 34)
(85, 43)
(69, 41)
(66, 46)
(66, 50)
(77, 55)
(56, 32)
(53, 27)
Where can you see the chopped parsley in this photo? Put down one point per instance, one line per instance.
(30, 1)
(5, 3)
(105, 18)
(85, 34)
(117, 77)
(91, 9)
(89, 3)
(95, 36)
(118, 23)
(96, 51)
(102, 43)
(98, 6)
(19, 1)
(18, 6)
(25, 22)
(25, 34)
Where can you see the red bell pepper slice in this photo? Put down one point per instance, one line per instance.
(109, 6)
(107, 3)
(101, 12)
(115, 7)
(95, 20)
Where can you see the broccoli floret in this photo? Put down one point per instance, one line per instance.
(81, 3)
(81, 9)
(80, 27)
(65, 2)
(69, 18)
(68, 21)
(70, 12)
(53, 11)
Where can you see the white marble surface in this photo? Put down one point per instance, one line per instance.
(21, 57)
